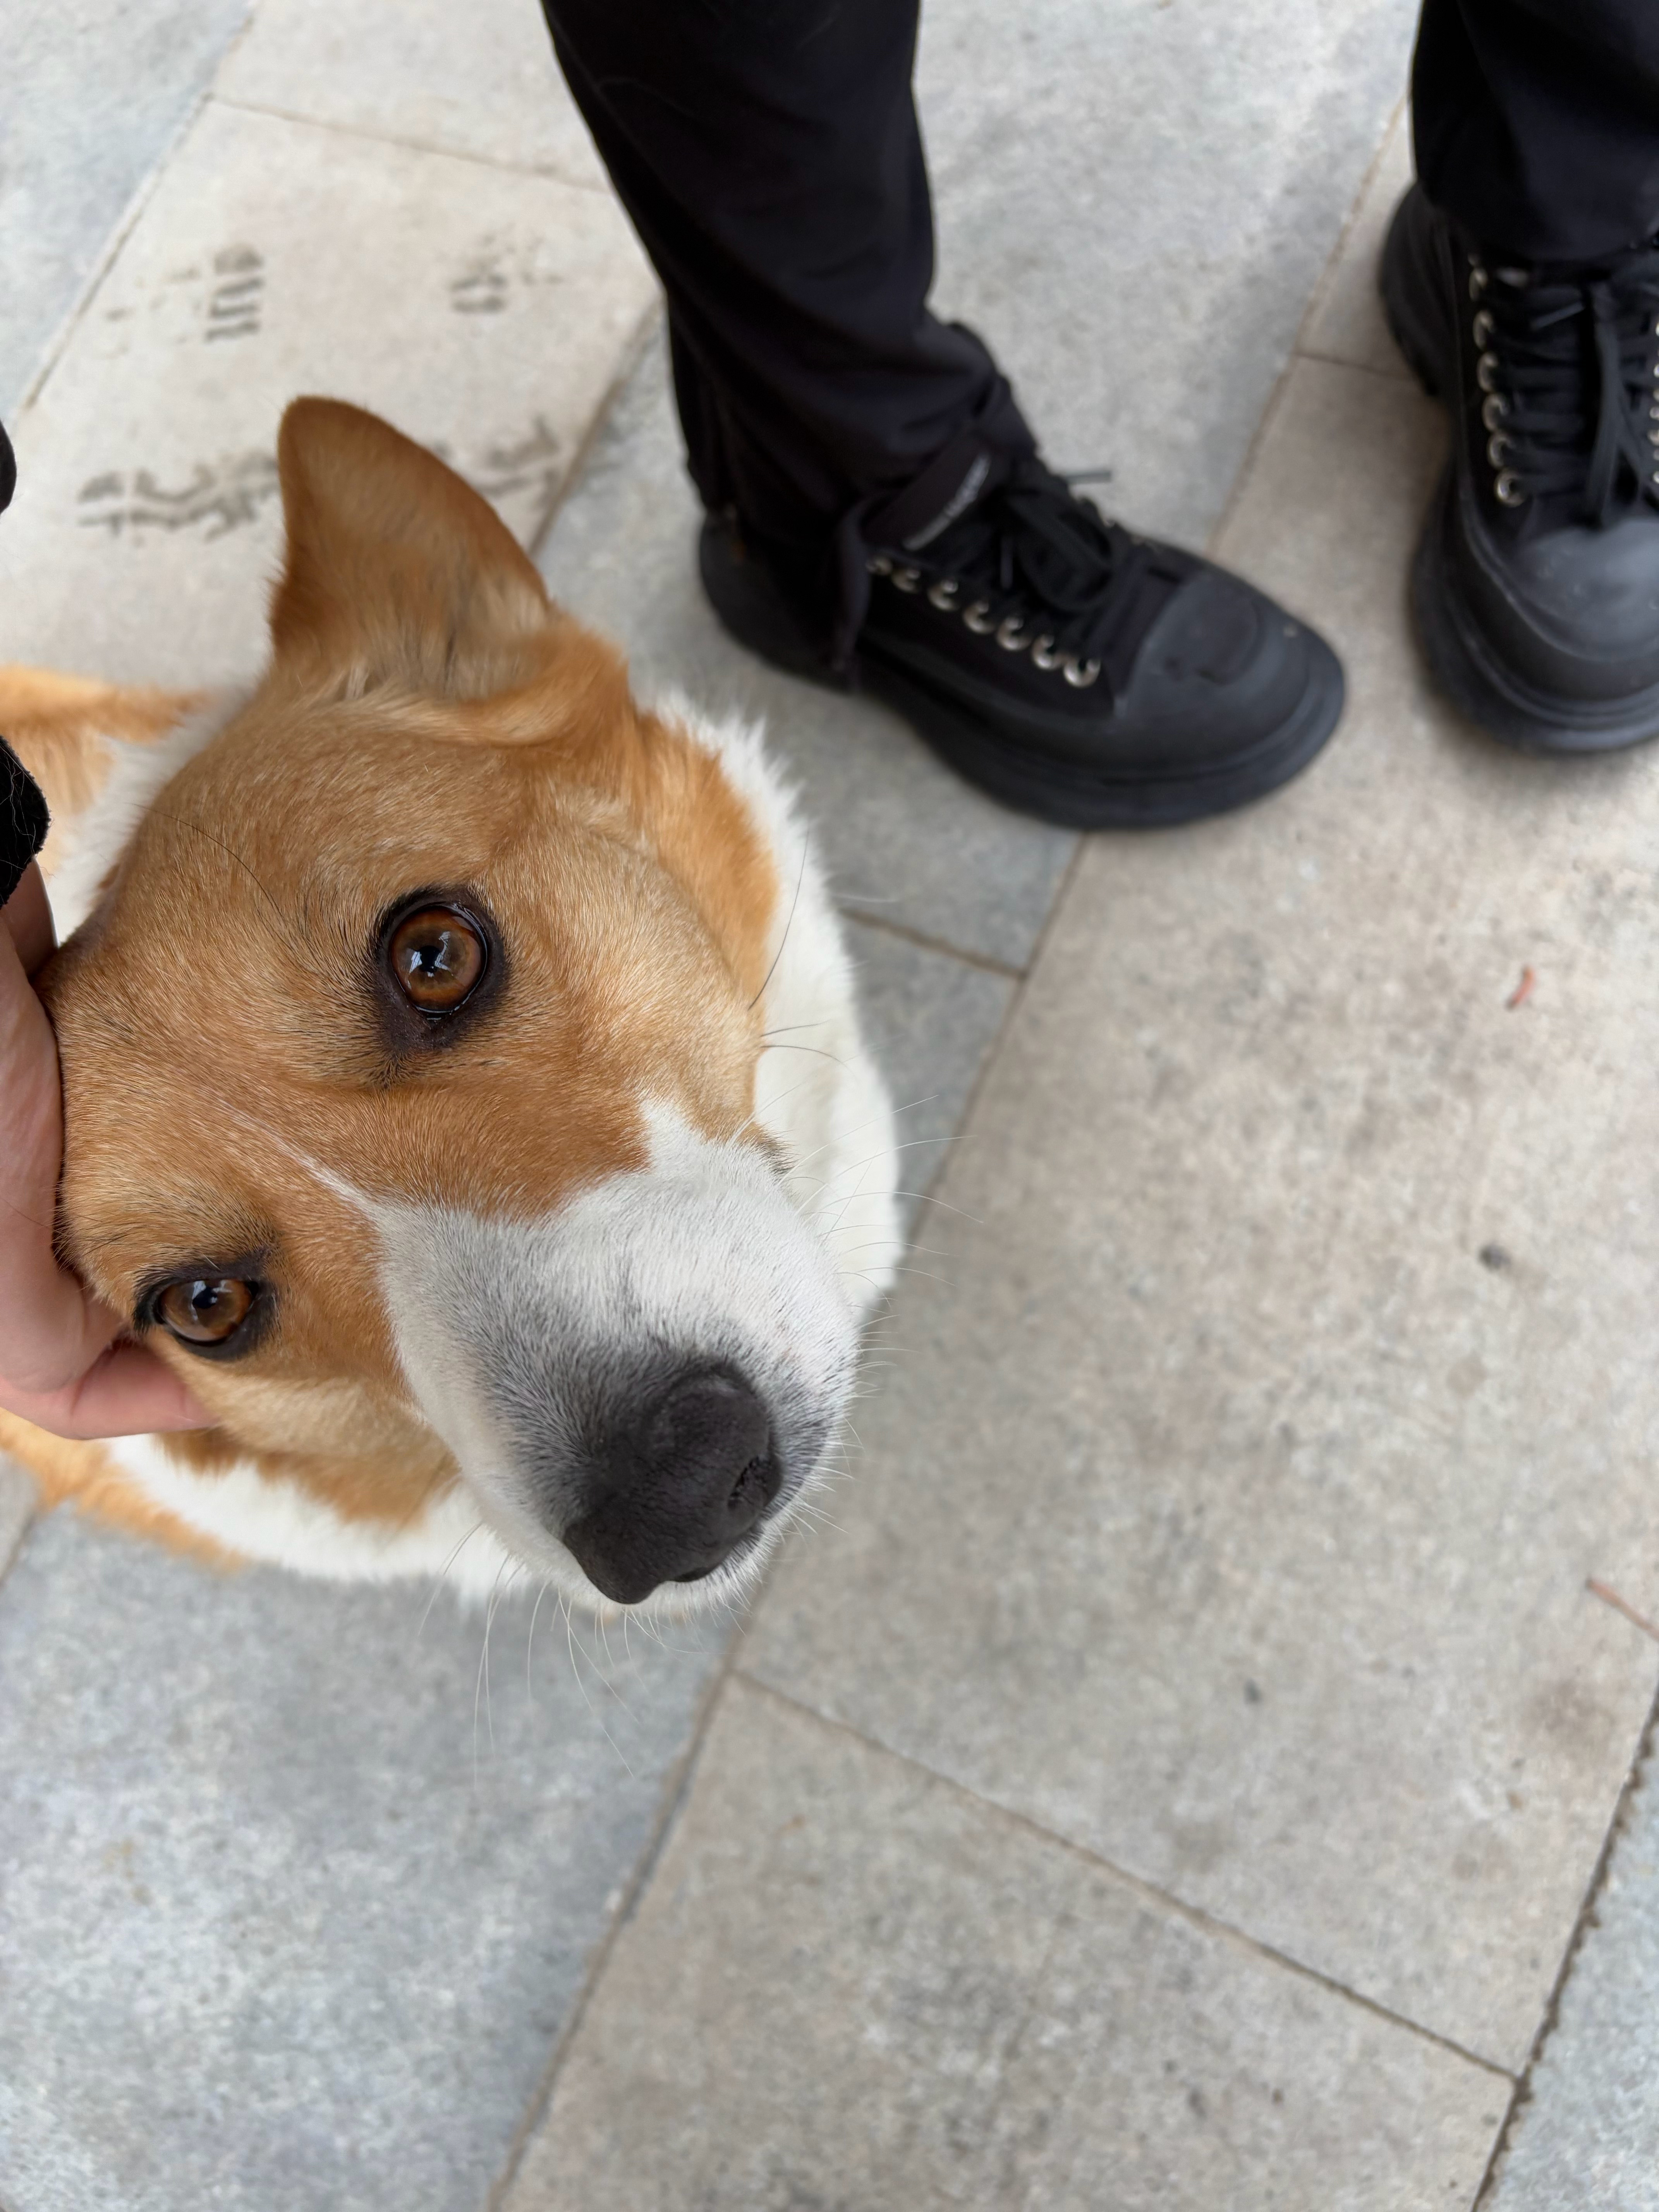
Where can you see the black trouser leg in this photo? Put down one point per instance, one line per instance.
(768, 154)
(1537, 122)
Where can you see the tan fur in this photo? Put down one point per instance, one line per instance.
(427, 720)
(81, 1472)
(60, 727)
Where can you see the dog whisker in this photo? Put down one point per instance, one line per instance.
(572, 1641)
(815, 1050)
(443, 1576)
(801, 878)
(530, 1638)
(481, 1686)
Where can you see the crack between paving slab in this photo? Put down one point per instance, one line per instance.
(1401, 375)
(1224, 1930)
(987, 962)
(676, 1791)
(1022, 982)
(551, 175)
(1281, 383)
(1583, 1924)
(633, 351)
(1322, 290)
(122, 230)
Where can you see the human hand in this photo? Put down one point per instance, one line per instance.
(62, 1363)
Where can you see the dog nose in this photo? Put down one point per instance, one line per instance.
(675, 1483)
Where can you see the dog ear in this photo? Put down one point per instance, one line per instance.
(397, 574)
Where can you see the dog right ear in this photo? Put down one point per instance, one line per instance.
(397, 574)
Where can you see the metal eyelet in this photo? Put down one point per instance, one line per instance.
(1486, 370)
(1494, 407)
(1653, 437)
(906, 579)
(1012, 635)
(1497, 446)
(1079, 675)
(974, 618)
(1043, 655)
(1478, 278)
(943, 594)
(1507, 490)
(1484, 327)
(879, 565)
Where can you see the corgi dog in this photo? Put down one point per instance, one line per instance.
(462, 1084)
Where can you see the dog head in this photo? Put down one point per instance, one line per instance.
(410, 1058)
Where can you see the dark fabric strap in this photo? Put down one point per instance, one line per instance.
(979, 460)
(24, 820)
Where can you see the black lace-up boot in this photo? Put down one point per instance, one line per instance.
(1067, 667)
(1536, 583)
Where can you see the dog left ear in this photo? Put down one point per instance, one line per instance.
(397, 573)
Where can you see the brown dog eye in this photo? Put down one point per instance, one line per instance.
(205, 1312)
(438, 957)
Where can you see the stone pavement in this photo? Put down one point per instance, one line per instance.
(1192, 1772)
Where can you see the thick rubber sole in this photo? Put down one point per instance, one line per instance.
(1464, 666)
(1021, 777)
(1035, 783)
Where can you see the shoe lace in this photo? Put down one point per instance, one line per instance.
(1029, 560)
(1568, 368)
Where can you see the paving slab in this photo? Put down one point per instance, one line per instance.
(17, 1503)
(479, 80)
(850, 1986)
(484, 311)
(281, 1925)
(1346, 321)
(1143, 280)
(92, 95)
(1231, 1512)
(1587, 2134)
(901, 833)
(931, 1022)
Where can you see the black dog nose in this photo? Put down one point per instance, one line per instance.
(674, 1484)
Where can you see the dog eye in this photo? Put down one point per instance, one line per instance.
(437, 957)
(207, 1311)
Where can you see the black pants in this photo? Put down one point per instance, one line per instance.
(768, 154)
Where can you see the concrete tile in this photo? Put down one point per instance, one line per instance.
(1586, 2133)
(1345, 322)
(482, 310)
(1142, 282)
(903, 836)
(92, 95)
(271, 1937)
(18, 1498)
(931, 1021)
(480, 79)
(1233, 1517)
(851, 1986)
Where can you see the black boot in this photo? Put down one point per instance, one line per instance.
(1536, 583)
(1072, 670)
